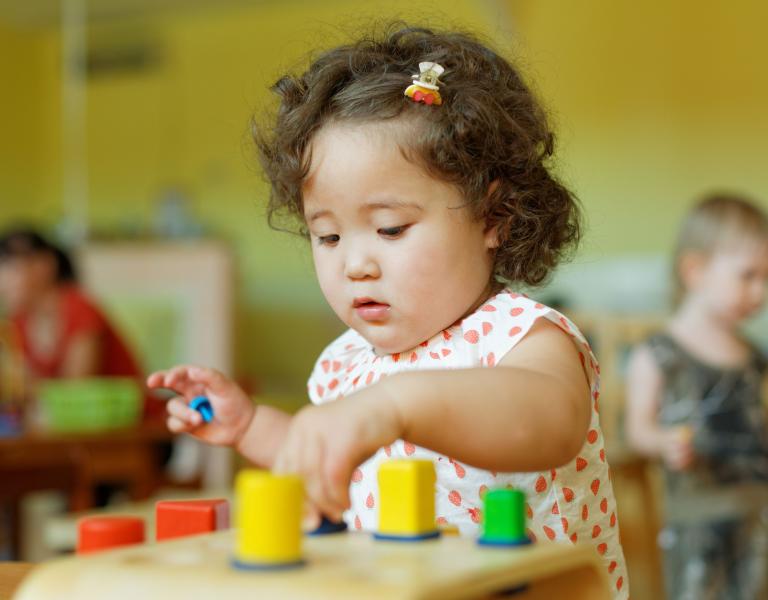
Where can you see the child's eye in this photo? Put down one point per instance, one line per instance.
(328, 240)
(393, 232)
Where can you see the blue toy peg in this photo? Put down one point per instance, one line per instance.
(327, 526)
(202, 405)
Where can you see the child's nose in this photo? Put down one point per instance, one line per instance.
(359, 264)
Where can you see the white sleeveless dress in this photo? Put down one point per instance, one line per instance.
(574, 502)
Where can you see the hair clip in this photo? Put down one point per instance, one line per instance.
(424, 88)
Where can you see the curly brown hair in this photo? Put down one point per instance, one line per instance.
(490, 137)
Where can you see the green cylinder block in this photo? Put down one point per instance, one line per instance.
(504, 517)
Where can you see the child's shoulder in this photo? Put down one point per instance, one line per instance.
(508, 306)
(508, 317)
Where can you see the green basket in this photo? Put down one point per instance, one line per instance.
(90, 404)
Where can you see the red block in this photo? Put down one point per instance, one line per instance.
(179, 518)
(102, 533)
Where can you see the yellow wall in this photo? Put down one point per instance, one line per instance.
(655, 102)
(20, 132)
(185, 123)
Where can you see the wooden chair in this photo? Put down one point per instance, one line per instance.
(636, 480)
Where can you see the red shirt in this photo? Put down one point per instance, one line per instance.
(79, 315)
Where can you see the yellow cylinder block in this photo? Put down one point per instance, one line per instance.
(268, 519)
(407, 499)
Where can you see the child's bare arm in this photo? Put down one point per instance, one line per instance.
(262, 439)
(644, 388)
(643, 391)
(531, 412)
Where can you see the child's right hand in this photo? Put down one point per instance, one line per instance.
(233, 409)
(677, 447)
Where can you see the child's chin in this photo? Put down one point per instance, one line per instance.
(385, 344)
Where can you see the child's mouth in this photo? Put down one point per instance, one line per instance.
(369, 309)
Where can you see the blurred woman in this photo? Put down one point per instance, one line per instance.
(62, 332)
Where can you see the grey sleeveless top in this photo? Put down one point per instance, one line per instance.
(726, 411)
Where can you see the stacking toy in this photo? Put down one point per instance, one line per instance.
(103, 533)
(268, 520)
(202, 405)
(504, 518)
(407, 500)
(179, 518)
(327, 526)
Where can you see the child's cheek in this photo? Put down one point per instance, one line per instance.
(331, 284)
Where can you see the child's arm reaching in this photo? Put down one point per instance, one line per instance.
(529, 413)
(644, 388)
(255, 431)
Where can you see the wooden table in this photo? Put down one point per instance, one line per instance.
(60, 532)
(349, 565)
(11, 574)
(639, 504)
(76, 463)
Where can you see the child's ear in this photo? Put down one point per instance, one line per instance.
(492, 229)
(492, 237)
(691, 266)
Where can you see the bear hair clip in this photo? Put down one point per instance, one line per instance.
(424, 88)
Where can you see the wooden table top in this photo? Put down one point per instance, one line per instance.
(350, 565)
(151, 430)
(11, 575)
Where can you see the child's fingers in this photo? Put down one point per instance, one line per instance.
(291, 459)
(156, 379)
(320, 499)
(282, 463)
(679, 456)
(311, 517)
(175, 425)
(319, 488)
(194, 379)
(338, 491)
(178, 378)
(179, 409)
(214, 380)
(326, 493)
(339, 475)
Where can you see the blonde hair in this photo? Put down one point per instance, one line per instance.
(716, 220)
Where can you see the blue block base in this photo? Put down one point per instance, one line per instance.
(327, 527)
(504, 543)
(249, 566)
(407, 538)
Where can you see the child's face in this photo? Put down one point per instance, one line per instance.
(397, 255)
(732, 280)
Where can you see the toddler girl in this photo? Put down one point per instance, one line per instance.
(416, 163)
(694, 400)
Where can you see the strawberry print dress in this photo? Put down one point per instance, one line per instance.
(573, 503)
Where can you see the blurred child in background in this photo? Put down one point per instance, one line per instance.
(61, 332)
(694, 401)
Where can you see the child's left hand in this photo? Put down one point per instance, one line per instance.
(326, 443)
